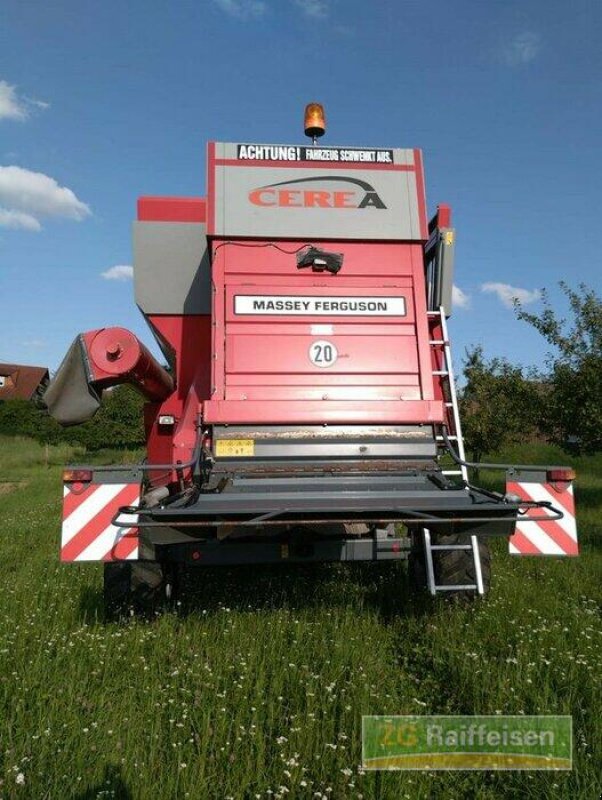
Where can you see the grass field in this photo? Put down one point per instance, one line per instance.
(256, 687)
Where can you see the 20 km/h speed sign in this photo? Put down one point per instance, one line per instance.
(323, 353)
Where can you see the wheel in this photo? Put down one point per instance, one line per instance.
(417, 567)
(451, 567)
(136, 587)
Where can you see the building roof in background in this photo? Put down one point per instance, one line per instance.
(21, 381)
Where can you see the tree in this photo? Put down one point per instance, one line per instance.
(573, 407)
(117, 424)
(22, 418)
(498, 404)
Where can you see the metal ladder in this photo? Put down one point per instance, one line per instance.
(446, 375)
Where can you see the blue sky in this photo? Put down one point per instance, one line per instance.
(103, 102)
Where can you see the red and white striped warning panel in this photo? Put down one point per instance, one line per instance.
(546, 538)
(87, 533)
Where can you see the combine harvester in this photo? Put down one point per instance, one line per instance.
(309, 400)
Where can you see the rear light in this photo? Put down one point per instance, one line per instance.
(77, 475)
(560, 474)
(167, 419)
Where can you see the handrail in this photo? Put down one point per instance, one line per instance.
(484, 465)
(416, 519)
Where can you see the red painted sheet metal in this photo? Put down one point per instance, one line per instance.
(341, 393)
(172, 209)
(210, 188)
(331, 386)
(324, 165)
(366, 262)
(443, 215)
(188, 337)
(262, 371)
(289, 354)
(300, 411)
(116, 355)
(547, 538)
(328, 379)
(422, 328)
(421, 193)
(278, 328)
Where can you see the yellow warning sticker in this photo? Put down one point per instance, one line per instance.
(232, 448)
(449, 237)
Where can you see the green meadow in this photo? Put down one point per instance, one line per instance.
(254, 686)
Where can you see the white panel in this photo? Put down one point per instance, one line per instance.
(545, 545)
(103, 544)
(86, 511)
(312, 306)
(539, 493)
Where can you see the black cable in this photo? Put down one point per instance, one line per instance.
(263, 244)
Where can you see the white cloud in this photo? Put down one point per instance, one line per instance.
(27, 195)
(242, 9)
(10, 105)
(522, 49)
(38, 344)
(14, 106)
(120, 272)
(38, 103)
(459, 298)
(508, 294)
(318, 9)
(18, 220)
(344, 30)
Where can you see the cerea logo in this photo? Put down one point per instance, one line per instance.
(298, 194)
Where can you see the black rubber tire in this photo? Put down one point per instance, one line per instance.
(133, 587)
(452, 567)
(417, 569)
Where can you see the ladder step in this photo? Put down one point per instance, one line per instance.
(451, 547)
(446, 372)
(459, 588)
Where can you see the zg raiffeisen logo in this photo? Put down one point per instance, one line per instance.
(357, 194)
(467, 743)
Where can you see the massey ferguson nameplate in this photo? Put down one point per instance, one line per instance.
(320, 306)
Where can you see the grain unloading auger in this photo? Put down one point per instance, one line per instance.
(302, 309)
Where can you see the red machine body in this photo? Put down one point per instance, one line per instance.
(308, 393)
(255, 368)
(115, 355)
(261, 372)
